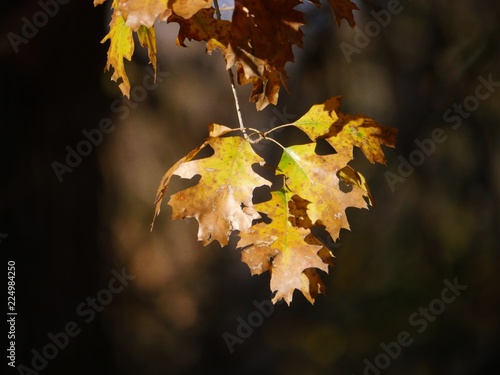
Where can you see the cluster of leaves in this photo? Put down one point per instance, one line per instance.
(258, 40)
(277, 234)
(310, 194)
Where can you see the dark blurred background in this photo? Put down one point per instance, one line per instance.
(70, 239)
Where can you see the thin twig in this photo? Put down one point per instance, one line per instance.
(236, 103)
(233, 86)
(217, 9)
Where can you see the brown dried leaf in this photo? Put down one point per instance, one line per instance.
(262, 36)
(204, 27)
(343, 10)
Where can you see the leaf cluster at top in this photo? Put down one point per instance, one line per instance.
(257, 41)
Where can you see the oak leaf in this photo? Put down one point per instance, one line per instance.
(313, 193)
(215, 130)
(314, 178)
(342, 9)
(352, 177)
(362, 132)
(139, 16)
(265, 90)
(281, 248)
(312, 284)
(187, 8)
(137, 13)
(204, 27)
(262, 36)
(121, 47)
(222, 199)
(344, 131)
(300, 218)
(165, 181)
(147, 38)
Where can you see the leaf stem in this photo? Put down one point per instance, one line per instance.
(276, 142)
(236, 103)
(233, 86)
(278, 127)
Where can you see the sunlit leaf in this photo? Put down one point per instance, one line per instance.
(222, 199)
(281, 248)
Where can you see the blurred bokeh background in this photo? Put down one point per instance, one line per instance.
(67, 238)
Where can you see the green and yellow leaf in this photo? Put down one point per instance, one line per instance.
(222, 199)
(121, 47)
(344, 131)
(314, 178)
(147, 38)
(282, 249)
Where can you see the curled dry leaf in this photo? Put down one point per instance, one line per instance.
(121, 47)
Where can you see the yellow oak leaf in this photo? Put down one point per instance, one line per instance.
(352, 177)
(344, 131)
(314, 178)
(312, 284)
(222, 199)
(147, 38)
(282, 249)
(216, 130)
(165, 181)
(121, 47)
(320, 118)
(137, 13)
(362, 132)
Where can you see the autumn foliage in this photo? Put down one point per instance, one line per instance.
(275, 235)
